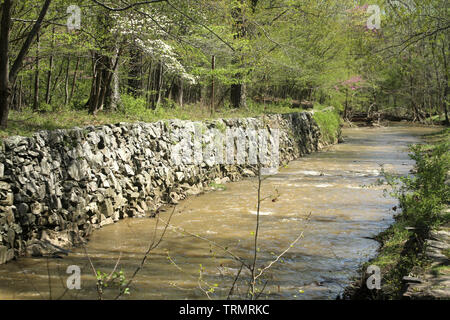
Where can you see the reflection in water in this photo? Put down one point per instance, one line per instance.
(329, 185)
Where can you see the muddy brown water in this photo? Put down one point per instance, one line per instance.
(329, 185)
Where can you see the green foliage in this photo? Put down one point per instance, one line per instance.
(134, 106)
(288, 50)
(217, 186)
(329, 123)
(221, 126)
(114, 280)
(423, 196)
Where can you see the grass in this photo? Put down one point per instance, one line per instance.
(217, 186)
(437, 137)
(27, 121)
(440, 270)
(329, 123)
(399, 254)
(447, 253)
(435, 119)
(422, 198)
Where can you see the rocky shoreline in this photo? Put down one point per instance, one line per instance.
(434, 283)
(57, 186)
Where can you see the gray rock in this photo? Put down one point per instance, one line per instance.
(7, 200)
(9, 215)
(3, 254)
(78, 170)
(23, 208)
(15, 141)
(4, 185)
(11, 237)
(9, 255)
(107, 208)
(129, 171)
(106, 222)
(179, 176)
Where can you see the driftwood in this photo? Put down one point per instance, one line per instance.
(377, 117)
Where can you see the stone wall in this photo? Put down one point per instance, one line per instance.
(57, 186)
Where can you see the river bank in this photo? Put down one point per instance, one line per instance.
(414, 251)
(329, 185)
(57, 186)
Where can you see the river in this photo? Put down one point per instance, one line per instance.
(329, 186)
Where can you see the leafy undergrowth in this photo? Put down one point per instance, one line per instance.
(329, 123)
(422, 198)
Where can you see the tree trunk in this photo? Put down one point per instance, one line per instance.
(115, 95)
(66, 83)
(101, 82)
(238, 90)
(5, 88)
(180, 92)
(74, 81)
(135, 73)
(8, 76)
(56, 82)
(148, 88)
(19, 98)
(158, 85)
(445, 101)
(49, 73)
(238, 95)
(36, 76)
(177, 91)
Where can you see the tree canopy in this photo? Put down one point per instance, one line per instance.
(123, 56)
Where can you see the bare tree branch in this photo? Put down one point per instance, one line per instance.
(26, 46)
(203, 25)
(151, 247)
(127, 6)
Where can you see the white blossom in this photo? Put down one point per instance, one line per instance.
(144, 31)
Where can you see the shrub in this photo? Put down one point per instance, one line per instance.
(423, 196)
(329, 123)
(132, 105)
